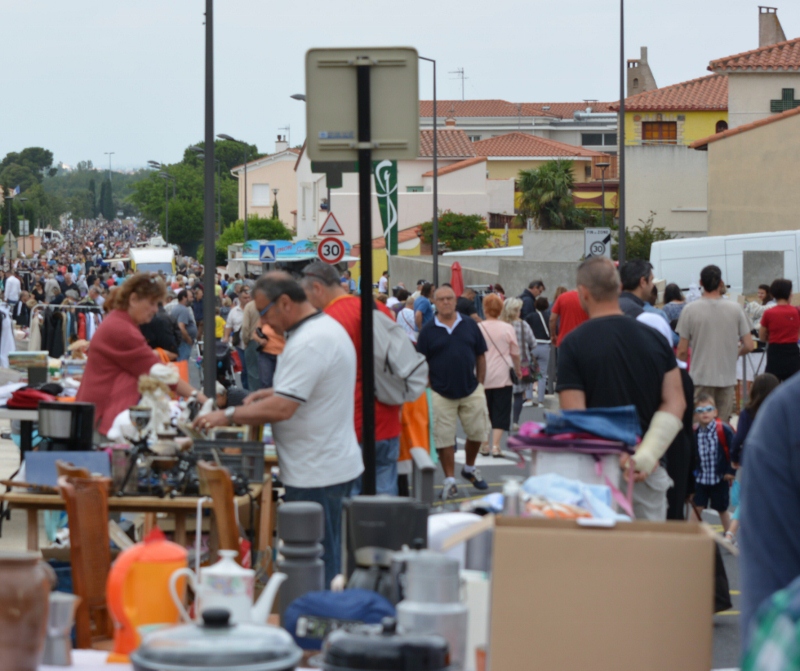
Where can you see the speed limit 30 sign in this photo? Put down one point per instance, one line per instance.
(330, 250)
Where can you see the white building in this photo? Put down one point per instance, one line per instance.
(589, 124)
(464, 187)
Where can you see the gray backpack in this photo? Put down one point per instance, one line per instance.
(401, 373)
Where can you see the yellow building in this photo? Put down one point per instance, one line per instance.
(677, 114)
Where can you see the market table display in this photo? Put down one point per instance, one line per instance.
(180, 507)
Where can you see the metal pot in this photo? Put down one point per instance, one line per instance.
(217, 645)
(381, 648)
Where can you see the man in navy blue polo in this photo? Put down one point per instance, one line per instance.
(455, 350)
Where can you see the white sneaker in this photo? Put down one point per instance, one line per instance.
(449, 491)
(527, 404)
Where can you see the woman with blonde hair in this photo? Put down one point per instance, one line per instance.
(502, 357)
(119, 353)
(527, 343)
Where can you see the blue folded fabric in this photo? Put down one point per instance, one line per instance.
(620, 423)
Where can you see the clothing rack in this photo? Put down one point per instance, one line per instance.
(44, 306)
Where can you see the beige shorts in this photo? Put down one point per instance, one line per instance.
(472, 412)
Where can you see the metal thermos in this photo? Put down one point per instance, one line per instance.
(432, 602)
(301, 528)
(60, 618)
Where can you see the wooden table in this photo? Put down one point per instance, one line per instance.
(181, 507)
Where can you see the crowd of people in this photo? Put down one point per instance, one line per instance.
(606, 343)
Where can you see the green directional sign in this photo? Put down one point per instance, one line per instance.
(385, 173)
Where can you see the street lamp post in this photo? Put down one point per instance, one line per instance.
(167, 179)
(210, 358)
(621, 134)
(109, 154)
(603, 167)
(202, 156)
(435, 232)
(23, 201)
(223, 136)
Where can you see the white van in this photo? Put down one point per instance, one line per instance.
(48, 235)
(152, 260)
(680, 261)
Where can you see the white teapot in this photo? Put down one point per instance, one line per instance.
(230, 586)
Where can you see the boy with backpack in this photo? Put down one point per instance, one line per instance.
(714, 473)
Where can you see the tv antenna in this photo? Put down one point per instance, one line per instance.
(459, 74)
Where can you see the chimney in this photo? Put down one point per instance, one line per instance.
(640, 77)
(770, 30)
(281, 144)
(450, 122)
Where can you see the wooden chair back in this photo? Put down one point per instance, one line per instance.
(215, 481)
(86, 501)
(68, 470)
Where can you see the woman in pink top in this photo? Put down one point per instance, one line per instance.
(119, 354)
(501, 357)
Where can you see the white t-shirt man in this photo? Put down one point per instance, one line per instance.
(317, 369)
(235, 317)
(12, 290)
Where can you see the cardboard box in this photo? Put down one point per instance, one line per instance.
(637, 596)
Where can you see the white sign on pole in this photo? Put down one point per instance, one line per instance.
(332, 109)
(331, 226)
(597, 242)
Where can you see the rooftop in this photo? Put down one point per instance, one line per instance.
(456, 166)
(451, 143)
(782, 56)
(523, 144)
(704, 142)
(704, 93)
(503, 108)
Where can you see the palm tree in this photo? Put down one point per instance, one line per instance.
(546, 194)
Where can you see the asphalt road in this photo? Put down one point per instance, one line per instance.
(726, 624)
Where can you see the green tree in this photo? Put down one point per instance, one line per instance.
(275, 213)
(258, 228)
(19, 175)
(546, 196)
(459, 231)
(105, 205)
(639, 239)
(93, 195)
(147, 195)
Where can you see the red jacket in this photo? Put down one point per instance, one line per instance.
(118, 355)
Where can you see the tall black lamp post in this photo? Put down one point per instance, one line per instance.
(435, 220)
(603, 165)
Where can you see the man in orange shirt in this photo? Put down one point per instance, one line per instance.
(321, 284)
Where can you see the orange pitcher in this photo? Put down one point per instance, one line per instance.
(137, 591)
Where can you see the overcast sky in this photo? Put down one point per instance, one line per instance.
(85, 77)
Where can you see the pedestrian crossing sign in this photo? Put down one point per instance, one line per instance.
(266, 253)
(331, 226)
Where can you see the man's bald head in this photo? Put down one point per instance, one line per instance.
(600, 278)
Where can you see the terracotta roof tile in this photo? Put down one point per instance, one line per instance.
(504, 108)
(562, 110)
(456, 166)
(523, 144)
(380, 242)
(780, 56)
(701, 144)
(452, 143)
(705, 93)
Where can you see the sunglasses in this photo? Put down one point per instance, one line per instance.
(705, 408)
(263, 313)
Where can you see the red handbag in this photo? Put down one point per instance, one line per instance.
(28, 399)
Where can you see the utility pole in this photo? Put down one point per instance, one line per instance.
(621, 134)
